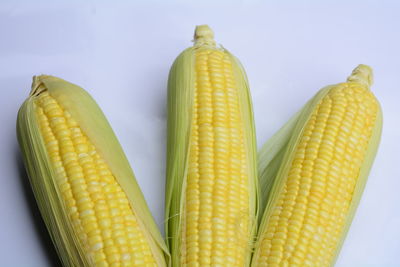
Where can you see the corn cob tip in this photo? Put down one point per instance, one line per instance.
(36, 87)
(204, 35)
(362, 74)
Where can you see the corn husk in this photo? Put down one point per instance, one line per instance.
(180, 100)
(42, 176)
(276, 155)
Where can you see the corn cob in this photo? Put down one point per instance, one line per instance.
(84, 187)
(211, 196)
(325, 154)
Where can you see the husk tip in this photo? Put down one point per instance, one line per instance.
(362, 74)
(37, 84)
(203, 34)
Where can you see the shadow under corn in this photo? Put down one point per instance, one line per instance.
(35, 217)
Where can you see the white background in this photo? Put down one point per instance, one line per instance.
(121, 53)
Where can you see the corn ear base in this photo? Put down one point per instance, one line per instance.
(42, 176)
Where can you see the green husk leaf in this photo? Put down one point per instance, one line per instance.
(94, 124)
(362, 179)
(180, 95)
(274, 151)
(40, 173)
(270, 157)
